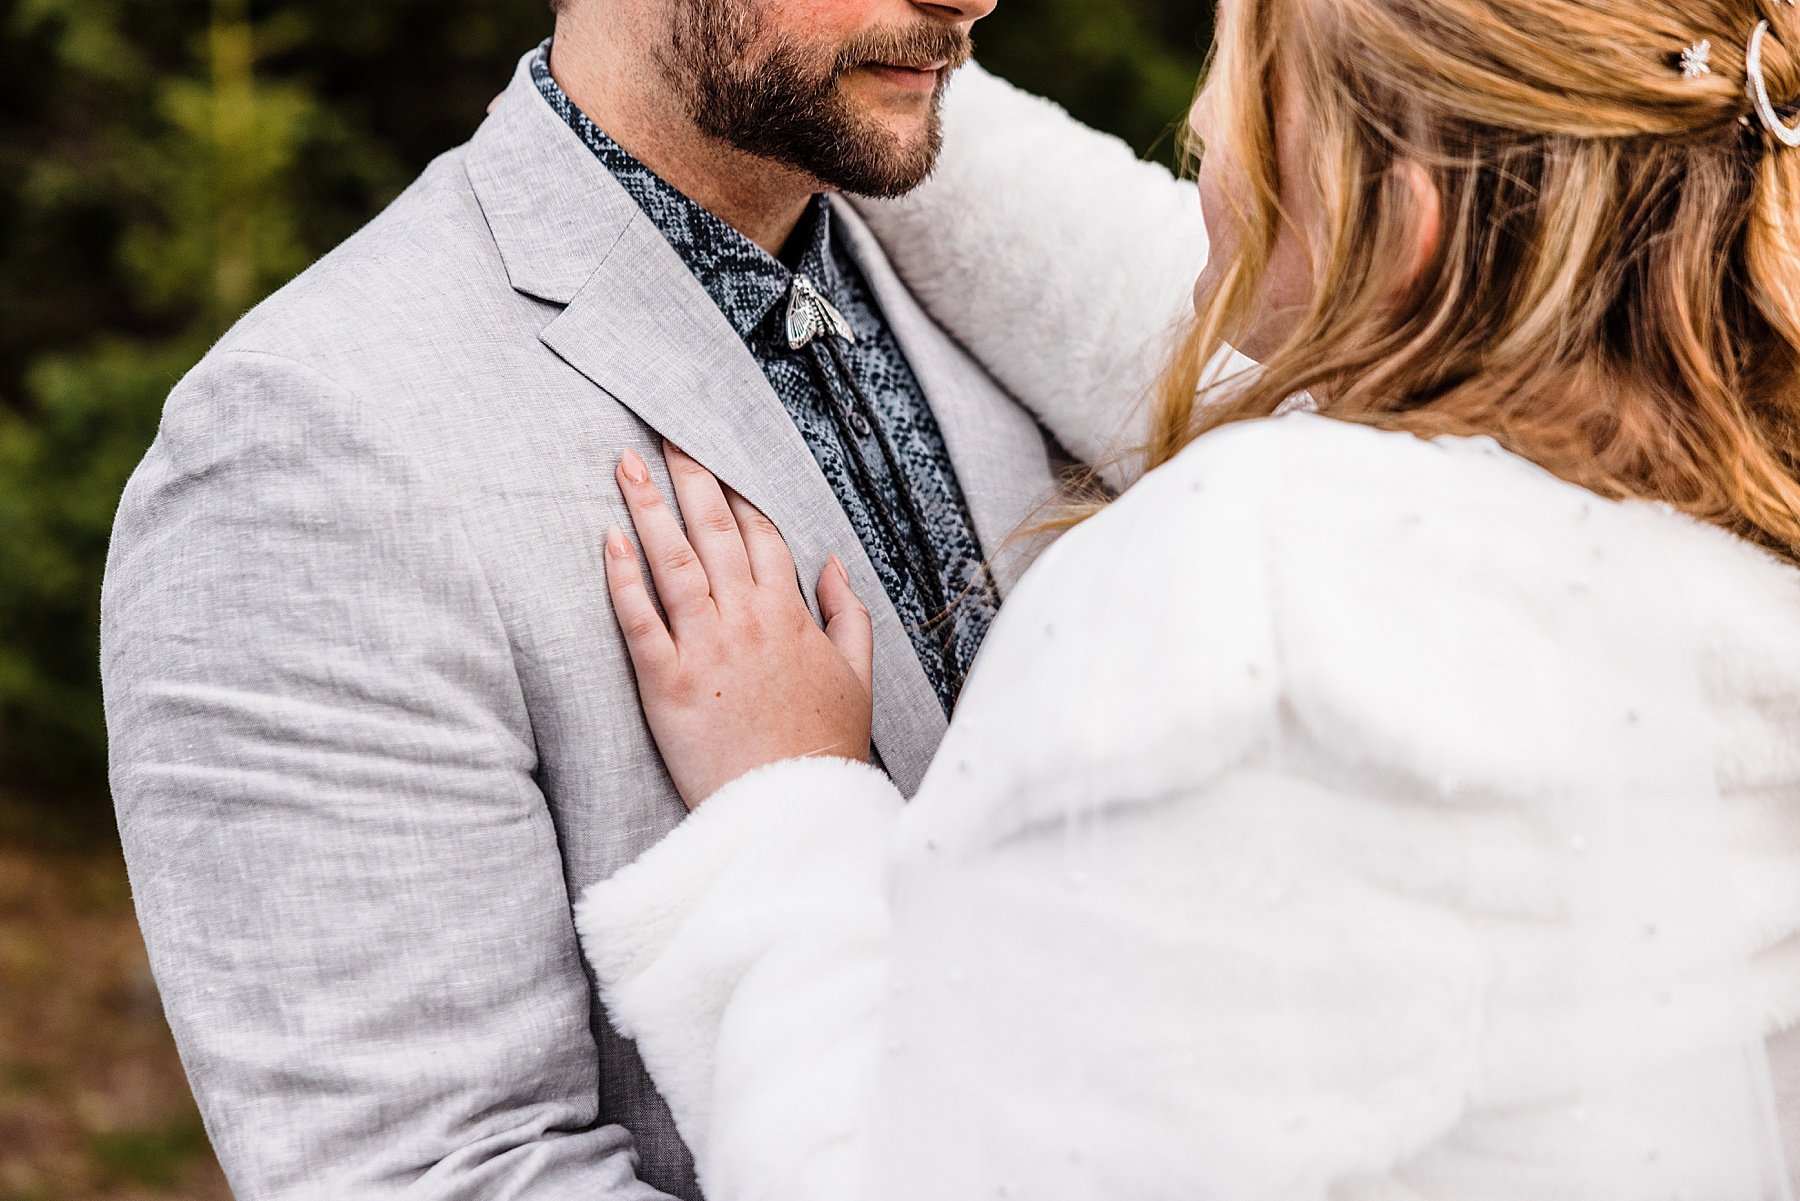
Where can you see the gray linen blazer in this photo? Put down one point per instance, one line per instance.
(372, 722)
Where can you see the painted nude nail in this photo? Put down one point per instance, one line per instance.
(616, 546)
(634, 468)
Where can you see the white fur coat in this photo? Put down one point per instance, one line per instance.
(1249, 866)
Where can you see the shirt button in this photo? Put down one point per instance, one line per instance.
(860, 424)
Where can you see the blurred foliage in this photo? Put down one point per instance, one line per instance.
(93, 1102)
(164, 164)
(1128, 66)
(154, 1159)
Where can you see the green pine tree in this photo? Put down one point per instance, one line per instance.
(203, 168)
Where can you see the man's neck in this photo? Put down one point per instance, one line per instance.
(631, 100)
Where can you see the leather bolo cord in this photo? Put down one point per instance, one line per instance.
(926, 576)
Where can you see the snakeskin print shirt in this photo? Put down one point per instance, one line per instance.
(855, 402)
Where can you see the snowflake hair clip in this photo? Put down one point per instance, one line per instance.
(1696, 60)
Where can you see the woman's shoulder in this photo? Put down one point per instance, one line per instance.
(1323, 505)
(1301, 461)
(1427, 607)
(1335, 509)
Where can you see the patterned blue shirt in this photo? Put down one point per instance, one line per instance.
(856, 403)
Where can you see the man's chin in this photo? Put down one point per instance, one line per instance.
(895, 152)
(886, 176)
(851, 139)
(906, 117)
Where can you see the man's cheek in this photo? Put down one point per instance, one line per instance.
(821, 20)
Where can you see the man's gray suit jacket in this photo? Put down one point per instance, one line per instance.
(373, 725)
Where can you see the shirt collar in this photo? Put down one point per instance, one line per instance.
(745, 281)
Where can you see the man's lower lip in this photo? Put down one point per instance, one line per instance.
(906, 76)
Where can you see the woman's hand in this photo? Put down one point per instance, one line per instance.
(740, 676)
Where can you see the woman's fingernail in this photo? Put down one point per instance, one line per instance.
(843, 572)
(634, 468)
(616, 546)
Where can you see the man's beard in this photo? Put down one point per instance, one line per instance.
(788, 106)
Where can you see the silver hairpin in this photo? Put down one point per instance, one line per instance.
(1696, 60)
(1759, 91)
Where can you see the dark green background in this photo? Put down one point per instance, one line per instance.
(166, 163)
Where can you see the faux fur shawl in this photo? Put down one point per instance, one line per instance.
(1241, 872)
(1247, 869)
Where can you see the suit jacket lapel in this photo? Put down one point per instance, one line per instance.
(1000, 453)
(641, 328)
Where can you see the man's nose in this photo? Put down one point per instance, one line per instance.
(964, 12)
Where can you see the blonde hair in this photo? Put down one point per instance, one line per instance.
(1616, 291)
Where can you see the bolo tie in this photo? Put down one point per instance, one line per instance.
(815, 324)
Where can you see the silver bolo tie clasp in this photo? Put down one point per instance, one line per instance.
(809, 315)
